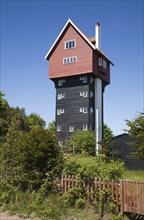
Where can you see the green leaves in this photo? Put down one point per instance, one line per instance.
(83, 142)
(136, 132)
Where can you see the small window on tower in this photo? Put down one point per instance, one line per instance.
(104, 64)
(60, 82)
(100, 61)
(70, 44)
(84, 93)
(58, 127)
(84, 79)
(71, 129)
(84, 109)
(60, 96)
(60, 111)
(85, 127)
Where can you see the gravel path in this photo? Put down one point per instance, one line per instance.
(6, 216)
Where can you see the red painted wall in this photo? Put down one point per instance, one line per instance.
(100, 71)
(82, 50)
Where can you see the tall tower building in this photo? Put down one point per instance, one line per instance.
(80, 72)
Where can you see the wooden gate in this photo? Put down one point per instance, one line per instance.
(132, 197)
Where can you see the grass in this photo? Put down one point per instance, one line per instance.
(135, 175)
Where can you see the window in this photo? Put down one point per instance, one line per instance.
(60, 96)
(84, 79)
(91, 110)
(85, 127)
(60, 111)
(71, 129)
(84, 93)
(58, 127)
(102, 62)
(70, 44)
(91, 94)
(84, 109)
(69, 60)
(60, 82)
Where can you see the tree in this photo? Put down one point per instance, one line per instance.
(83, 142)
(136, 132)
(30, 159)
(107, 141)
(35, 120)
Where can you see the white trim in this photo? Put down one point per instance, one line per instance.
(71, 129)
(67, 41)
(67, 60)
(58, 127)
(84, 36)
(85, 127)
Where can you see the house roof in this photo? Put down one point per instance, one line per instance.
(87, 39)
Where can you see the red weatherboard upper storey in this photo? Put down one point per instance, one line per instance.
(85, 51)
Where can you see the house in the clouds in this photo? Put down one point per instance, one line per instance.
(80, 72)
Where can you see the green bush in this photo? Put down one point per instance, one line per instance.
(99, 167)
(83, 142)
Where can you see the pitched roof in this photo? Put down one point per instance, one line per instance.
(87, 39)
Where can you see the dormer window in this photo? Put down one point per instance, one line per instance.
(102, 62)
(70, 44)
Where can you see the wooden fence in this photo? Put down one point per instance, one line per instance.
(127, 195)
(132, 197)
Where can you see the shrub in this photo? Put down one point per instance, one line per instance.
(83, 142)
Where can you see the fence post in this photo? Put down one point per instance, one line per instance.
(121, 197)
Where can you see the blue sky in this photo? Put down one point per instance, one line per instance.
(28, 30)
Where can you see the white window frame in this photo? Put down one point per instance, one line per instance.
(60, 111)
(61, 96)
(68, 43)
(84, 79)
(71, 129)
(70, 60)
(85, 127)
(61, 81)
(100, 61)
(104, 64)
(58, 127)
(84, 93)
(84, 109)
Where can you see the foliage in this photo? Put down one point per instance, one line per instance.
(29, 155)
(107, 144)
(71, 167)
(31, 158)
(83, 142)
(35, 120)
(136, 132)
(98, 167)
(133, 175)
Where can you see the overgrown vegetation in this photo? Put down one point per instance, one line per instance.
(31, 162)
(136, 132)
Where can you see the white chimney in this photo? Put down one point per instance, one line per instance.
(98, 35)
